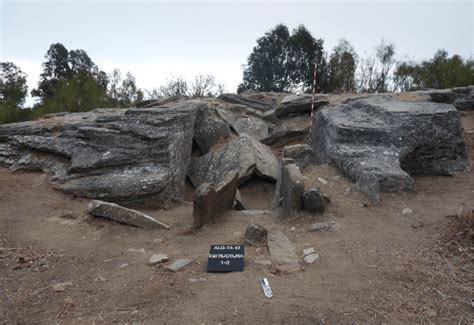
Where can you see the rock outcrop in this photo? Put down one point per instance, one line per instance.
(128, 156)
(244, 155)
(387, 141)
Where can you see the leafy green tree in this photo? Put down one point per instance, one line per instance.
(342, 67)
(439, 72)
(55, 69)
(13, 90)
(284, 63)
(13, 87)
(70, 81)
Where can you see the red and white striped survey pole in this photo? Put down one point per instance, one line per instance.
(312, 101)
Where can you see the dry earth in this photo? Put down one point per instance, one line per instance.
(376, 267)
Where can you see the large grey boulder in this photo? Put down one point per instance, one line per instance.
(387, 140)
(211, 200)
(292, 105)
(244, 155)
(252, 103)
(129, 156)
(121, 214)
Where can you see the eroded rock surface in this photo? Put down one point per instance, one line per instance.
(244, 155)
(129, 156)
(387, 140)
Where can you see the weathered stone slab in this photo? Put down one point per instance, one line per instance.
(157, 259)
(292, 188)
(390, 140)
(255, 127)
(302, 154)
(252, 103)
(292, 105)
(211, 200)
(209, 132)
(245, 155)
(179, 264)
(124, 215)
(282, 253)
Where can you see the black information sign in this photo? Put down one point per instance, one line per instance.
(226, 258)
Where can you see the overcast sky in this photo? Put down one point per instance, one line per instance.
(157, 40)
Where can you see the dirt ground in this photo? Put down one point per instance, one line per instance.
(377, 266)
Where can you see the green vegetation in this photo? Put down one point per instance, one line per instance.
(281, 61)
(284, 63)
(440, 72)
(70, 82)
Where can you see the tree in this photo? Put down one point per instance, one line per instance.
(342, 67)
(55, 68)
(439, 72)
(13, 87)
(13, 90)
(284, 63)
(70, 81)
(375, 69)
(123, 92)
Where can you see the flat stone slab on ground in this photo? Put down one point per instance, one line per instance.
(158, 258)
(179, 264)
(311, 258)
(124, 215)
(283, 253)
(322, 226)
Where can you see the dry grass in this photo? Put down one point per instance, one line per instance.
(459, 236)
